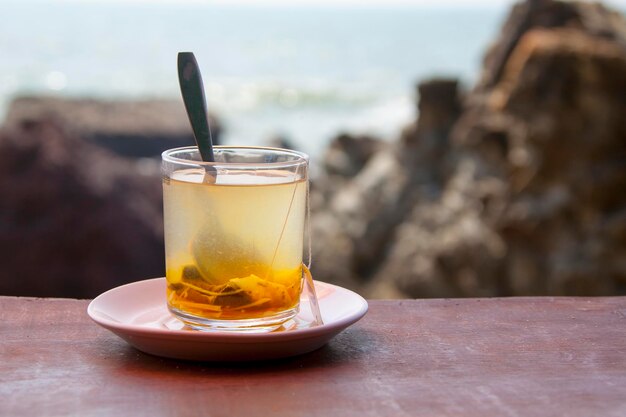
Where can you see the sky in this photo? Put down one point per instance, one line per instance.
(325, 3)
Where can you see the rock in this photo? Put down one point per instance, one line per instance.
(280, 141)
(75, 220)
(446, 248)
(439, 106)
(366, 203)
(347, 155)
(364, 212)
(567, 172)
(127, 128)
(424, 145)
(535, 205)
(515, 189)
(591, 18)
(332, 252)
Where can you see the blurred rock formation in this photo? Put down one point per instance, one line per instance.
(82, 202)
(133, 129)
(75, 219)
(515, 189)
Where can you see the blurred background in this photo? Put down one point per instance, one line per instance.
(459, 148)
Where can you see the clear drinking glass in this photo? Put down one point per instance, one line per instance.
(234, 232)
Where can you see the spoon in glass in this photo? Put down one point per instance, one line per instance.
(192, 89)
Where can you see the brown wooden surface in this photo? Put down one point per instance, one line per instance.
(473, 357)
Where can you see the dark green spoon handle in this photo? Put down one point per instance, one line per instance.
(192, 90)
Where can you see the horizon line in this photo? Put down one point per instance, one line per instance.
(332, 4)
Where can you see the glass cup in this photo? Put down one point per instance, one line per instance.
(234, 232)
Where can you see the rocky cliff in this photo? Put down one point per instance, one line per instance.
(75, 219)
(81, 206)
(515, 189)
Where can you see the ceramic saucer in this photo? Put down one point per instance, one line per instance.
(137, 313)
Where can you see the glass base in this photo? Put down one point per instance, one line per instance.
(258, 325)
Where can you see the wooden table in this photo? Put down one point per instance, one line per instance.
(470, 357)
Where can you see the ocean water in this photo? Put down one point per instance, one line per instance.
(306, 73)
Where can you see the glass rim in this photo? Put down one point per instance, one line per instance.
(300, 157)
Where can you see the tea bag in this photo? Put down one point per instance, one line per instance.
(220, 257)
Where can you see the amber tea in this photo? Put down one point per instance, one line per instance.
(234, 241)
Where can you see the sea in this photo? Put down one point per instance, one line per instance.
(302, 73)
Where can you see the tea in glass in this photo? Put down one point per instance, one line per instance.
(234, 236)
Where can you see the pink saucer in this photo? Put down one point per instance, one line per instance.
(137, 313)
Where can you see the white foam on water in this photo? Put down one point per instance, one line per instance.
(277, 73)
